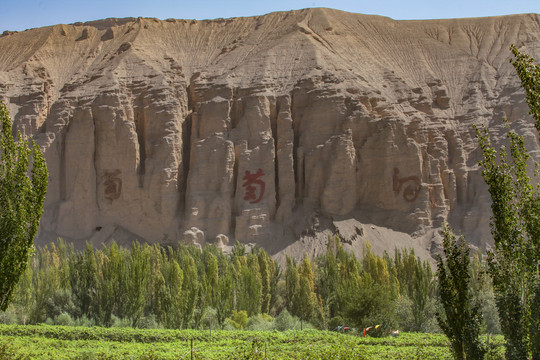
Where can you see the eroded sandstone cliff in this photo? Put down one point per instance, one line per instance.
(275, 130)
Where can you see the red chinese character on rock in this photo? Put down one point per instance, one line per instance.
(251, 183)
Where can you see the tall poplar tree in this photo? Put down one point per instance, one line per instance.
(224, 291)
(515, 226)
(265, 268)
(291, 285)
(461, 319)
(23, 185)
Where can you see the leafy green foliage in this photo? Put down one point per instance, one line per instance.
(59, 342)
(360, 293)
(292, 285)
(529, 74)
(143, 286)
(154, 286)
(261, 322)
(21, 203)
(184, 287)
(239, 319)
(416, 282)
(286, 321)
(461, 320)
(306, 299)
(515, 224)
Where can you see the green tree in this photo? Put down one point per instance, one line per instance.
(83, 279)
(23, 295)
(156, 282)
(416, 285)
(306, 298)
(275, 287)
(208, 279)
(111, 290)
(137, 281)
(482, 290)
(515, 225)
(190, 288)
(224, 294)
(291, 285)
(461, 320)
(364, 301)
(211, 275)
(422, 280)
(327, 277)
(46, 282)
(170, 296)
(359, 293)
(266, 270)
(249, 286)
(21, 203)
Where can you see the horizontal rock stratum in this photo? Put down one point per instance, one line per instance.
(275, 130)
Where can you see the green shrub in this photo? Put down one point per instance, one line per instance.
(148, 322)
(209, 319)
(261, 322)
(84, 321)
(403, 313)
(334, 322)
(285, 321)
(238, 319)
(63, 319)
(8, 316)
(118, 322)
(60, 302)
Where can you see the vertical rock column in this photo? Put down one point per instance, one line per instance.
(210, 180)
(285, 160)
(339, 195)
(330, 172)
(77, 207)
(255, 199)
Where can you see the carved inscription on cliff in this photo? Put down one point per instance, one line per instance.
(410, 186)
(112, 184)
(254, 186)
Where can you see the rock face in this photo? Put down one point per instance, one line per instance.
(275, 130)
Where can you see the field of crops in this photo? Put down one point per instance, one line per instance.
(59, 342)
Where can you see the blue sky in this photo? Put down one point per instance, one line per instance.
(23, 14)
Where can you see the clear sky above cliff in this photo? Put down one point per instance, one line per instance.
(23, 14)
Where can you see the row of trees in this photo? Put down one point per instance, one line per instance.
(399, 291)
(171, 286)
(185, 287)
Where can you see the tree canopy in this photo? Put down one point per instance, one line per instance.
(23, 185)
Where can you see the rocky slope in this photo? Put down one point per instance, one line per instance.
(275, 130)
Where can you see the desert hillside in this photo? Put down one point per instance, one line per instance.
(275, 130)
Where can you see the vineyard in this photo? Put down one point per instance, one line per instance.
(63, 342)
